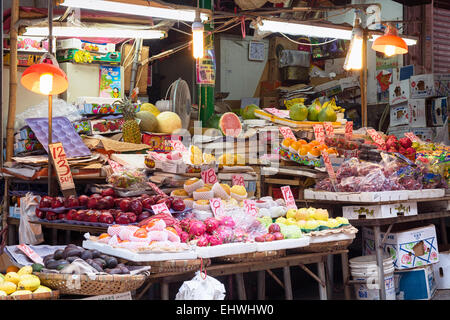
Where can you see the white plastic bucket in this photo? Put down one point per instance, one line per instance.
(365, 268)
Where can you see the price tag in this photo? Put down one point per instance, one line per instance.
(277, 112)
(209, 176)
(376, 137)
(319, 133)
(238, 180)
(286, 132)
(411, 136)
(177, 145)
(329, 130)
(156, 189)
(250, 207)
(30, 253)
(160, 208)
(288, 197)
(349, 130)
(329, 167)
(115, 166)
(217, 207)
(61, 164)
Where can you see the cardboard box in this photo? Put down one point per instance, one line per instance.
(106, 126)
(442, 271)
(399, 115)
(83, 56)
(399, 131)
(415, 284)
(24, 134)
(278, 44)
(425, 134)
(269, 88)
(438, 111)
(430, 85)
(380, 211)
(417, 113)
(158, 142)
(85, 45)
(409, 249)
(269, 102)
(399, 92)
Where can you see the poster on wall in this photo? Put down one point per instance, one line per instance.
(384, 62)
(384, 79)
(206, 68)
(110, 82)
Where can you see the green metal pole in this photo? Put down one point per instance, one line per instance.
(206, 92)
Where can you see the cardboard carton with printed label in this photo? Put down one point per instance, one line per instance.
(429, 85)
(399, 92)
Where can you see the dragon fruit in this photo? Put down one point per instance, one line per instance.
(203, 241)
(197, 228)
(184, 224)
(211, 224)
(227, 221)
(184, 236)
(215, 239)
(226, 233)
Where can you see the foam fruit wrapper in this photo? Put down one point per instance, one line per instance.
(206, 195)
(114, 230)
(159, 225)
(158, 235)
(127, 232)
(114, 241)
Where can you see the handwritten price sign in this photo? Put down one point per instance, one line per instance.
(30, 253)
(329, 167)
(277, 112)
(319, 133)
(288, 197)
(115, 166)
(160, 208)
(286, 132)
(217, 207)
(411, 136)
(209, 176)
(238, 180)
(156, 189)
(329, 130)
(61, 164)
(250, 207)
(376, 137)
(349, 130)
(177, 145)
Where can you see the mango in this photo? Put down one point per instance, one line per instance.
(25, 270)
(8, 287)
(12, 277)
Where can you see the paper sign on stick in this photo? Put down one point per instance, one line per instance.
(209, 176)
(288, 197)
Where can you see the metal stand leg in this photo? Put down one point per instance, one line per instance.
(330, 275)
(261, 285)
(240, 286)
(287, 283)
(164, 291)
(54, 236)
(345, 275)
(322, 290)
(444, 233)
(379, 254)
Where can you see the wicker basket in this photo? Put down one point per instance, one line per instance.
(84, 285)
(324, 246)
(34, 296)
(253, 256)
(174, 265)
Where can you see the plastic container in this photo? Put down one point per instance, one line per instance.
(365, 268)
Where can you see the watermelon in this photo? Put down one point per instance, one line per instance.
(230, 125)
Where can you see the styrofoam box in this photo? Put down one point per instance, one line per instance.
(225, 250)
(139, 257)
(425, 134)
(409, 249)
(399, 115)
(399, 92)
(439, 111)
(417, 113)
(380, 211)
(425, 193)
(442, 271)
(415, 284)
(283, 244)
(429, 85)
(332, 237)
(356, 196)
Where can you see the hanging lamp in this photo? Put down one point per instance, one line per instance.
(390, 43)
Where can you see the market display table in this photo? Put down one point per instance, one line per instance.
(238, 269)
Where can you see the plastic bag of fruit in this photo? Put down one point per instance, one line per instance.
(128, 179)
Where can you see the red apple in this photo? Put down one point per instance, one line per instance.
(147, 203)
(108, 192)
(117, 202)
(274, 227)
(93, 217)
(96, 196)
(46, 202)
(40, 214)
(136, 206)
(125, 205)
(278, 236)
(131, 216)
(51, 216)
(83, 200)
(269, 237)
(178, 205)
(122, 219)
(260, 239)
(143, 215)
(93, 203)
(62, 216)
(106, 217)
(71, 214)
(71, 201)
(110, 202)
(57, 202)
(145, 196)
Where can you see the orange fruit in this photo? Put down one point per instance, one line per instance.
(332, 151)
(322, 147)
(315, 151)
(301, 141)
(287, 142)
(314, 143)
(12, 269)
(295, 145)
(103, 236)
(171, 229)
(303, 151)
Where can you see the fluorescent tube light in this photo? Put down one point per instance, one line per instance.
(137, 10)
(96, 32)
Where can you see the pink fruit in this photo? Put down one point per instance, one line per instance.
(71, 214)
(83, 200)
(108, 192)
(131, 216)
(122, 219)
(92, 203)
(269, 237)
(211, 224)
(215, 240)
(260, 239)
(278, 236)
(57, 202)
(184, 224)
(147, 203)
(178, 205)
(227, 221)
(184, 236)
(405, 142)
(196, 228)
(203, 241)
(274, 227)
(46, 202)
(136, 206)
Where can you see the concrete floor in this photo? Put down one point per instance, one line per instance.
(442, 295)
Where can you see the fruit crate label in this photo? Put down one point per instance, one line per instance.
(30, 253)
(319, 133)
(411, 136)
(238, 180)
(288, 197)
(177, 145)
(286, 132)
(61, 164)
(116, 167)
(329, 167)
(376, 137)
(156, 189)
(329, 130)
(277, 112)
(349, 130)
(250, 207)
(209, 176)
(217, 207)
(160, 208)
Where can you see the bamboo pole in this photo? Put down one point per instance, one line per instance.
(12, 82)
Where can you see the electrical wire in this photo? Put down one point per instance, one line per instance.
(308, 44)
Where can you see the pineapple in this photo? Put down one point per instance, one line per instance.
(130, 128)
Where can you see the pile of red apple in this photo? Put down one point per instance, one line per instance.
(104, 207)
(402, 146)
(273, 234)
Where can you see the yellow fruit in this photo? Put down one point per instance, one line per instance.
(208, 158)
(291, 213)
(281, 220)
(151, 108)
(301, 223)
(342, 220)
(29, 284)
(332, 223)
(21, 292)
(3, 293)
(311, 224)
(8, 287)
(12, 277)
(302, 214)
(25, 270)
(42, 289)
(321, 214)
(291, 221)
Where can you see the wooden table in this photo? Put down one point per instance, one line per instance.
(238, 269)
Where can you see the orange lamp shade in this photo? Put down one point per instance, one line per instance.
(55, 79)
(390, 43)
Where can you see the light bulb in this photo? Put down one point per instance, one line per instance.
(197, 37)
(353, 60)
(46, 83)
(389, 50)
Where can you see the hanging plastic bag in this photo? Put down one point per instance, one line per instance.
(201, 287)
(29, 233)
